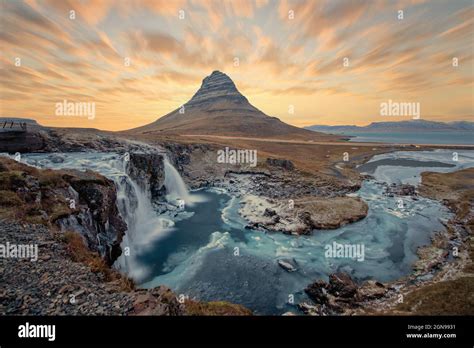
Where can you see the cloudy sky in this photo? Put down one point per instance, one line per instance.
(289, 53)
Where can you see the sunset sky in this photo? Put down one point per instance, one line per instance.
(282, 61)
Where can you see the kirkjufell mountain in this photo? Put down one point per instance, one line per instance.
(218, 108)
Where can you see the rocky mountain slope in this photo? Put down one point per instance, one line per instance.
(218, 108)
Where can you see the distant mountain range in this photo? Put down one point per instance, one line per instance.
(413, 126)
(218, 108)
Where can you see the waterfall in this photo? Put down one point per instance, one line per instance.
(144, 225)
(175, 186)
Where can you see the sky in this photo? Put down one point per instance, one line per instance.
(306, 62)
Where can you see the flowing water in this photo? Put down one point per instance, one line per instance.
(177, 188)
(144, 223)
(205, 252)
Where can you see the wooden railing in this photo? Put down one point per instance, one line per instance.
(13, 125)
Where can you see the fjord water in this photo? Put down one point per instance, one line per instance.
(206, 252)
(458, 137)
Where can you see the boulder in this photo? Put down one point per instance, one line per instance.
(342, 285)
(281, 163)
(157, 301)
(269, 212)
(400, 190)
(341, 293)
(371, 290)
(317, 291)
(288, 265)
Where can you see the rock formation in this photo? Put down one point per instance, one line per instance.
(341, 293)
(83, 202)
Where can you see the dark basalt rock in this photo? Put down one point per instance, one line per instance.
(282, 163)
(21, 142)
(269, 212)
(96, 216)
(147, 169)
(305, 218)
(340, 293)
(317, 291)
(400, 190)
(180, 154)
(75, 201)
(341, 284)
(21, 135)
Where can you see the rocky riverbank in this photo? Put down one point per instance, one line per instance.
(442, 282)
(69, 279)
(68, 200)
(276, 196)
(71, 219)
(340, 294)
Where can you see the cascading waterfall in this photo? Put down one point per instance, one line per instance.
(175, 186)
(144, 224)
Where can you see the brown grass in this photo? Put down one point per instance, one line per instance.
(15, 176)
(454, 297)
(51, 179)
(312, 158)
(217, 308)
(9, 199)
(79, 252)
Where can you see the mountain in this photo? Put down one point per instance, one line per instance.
(401, 126)
(218, 108)
(463, 125)
(334, 129)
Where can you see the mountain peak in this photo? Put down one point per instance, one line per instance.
(220, 79)
(218, 108)
(217, 87)
(217, 73)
